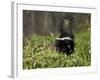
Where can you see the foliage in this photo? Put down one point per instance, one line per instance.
(39, 52)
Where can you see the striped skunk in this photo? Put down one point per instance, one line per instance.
(65, 42)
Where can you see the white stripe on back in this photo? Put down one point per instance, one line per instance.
(68, 38)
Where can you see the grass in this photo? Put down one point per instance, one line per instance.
(39, 52)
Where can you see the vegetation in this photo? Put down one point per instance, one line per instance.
(39, 52)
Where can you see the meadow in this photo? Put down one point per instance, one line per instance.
(39, 52)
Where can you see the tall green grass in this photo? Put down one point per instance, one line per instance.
(39, 52)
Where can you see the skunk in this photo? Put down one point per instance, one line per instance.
(65, 42)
